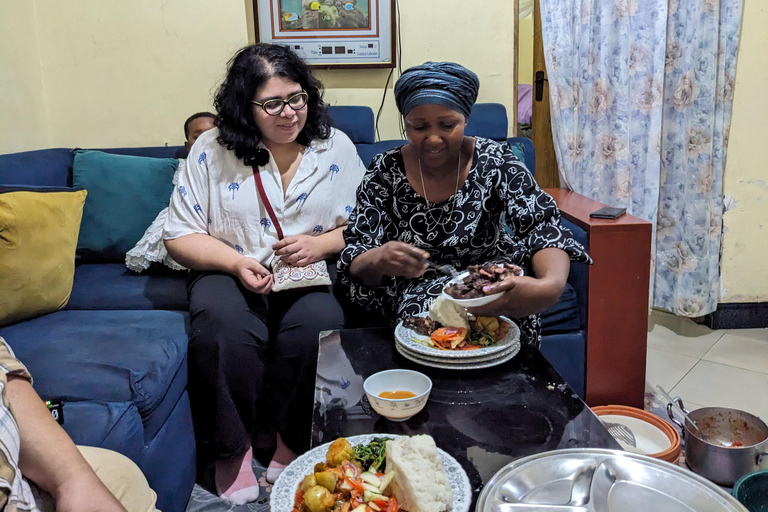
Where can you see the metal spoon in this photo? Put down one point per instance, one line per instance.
(683, 412)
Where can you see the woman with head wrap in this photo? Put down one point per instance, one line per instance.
(450, 198)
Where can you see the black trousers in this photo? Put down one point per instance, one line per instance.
(253, 360)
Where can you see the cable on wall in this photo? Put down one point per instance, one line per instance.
(389, 77)
(399, 63)
(381, 107)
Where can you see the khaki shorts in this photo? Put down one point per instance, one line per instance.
(121, 476)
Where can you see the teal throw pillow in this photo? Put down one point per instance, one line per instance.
(518, 150)
(125, 194)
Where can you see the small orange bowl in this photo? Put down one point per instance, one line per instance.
(636, 417)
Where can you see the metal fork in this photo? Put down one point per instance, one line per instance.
(446, 269)
(621, 432)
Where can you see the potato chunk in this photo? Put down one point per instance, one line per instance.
(318, 499)
(339, 451)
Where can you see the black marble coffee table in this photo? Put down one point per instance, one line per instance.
(483, 418)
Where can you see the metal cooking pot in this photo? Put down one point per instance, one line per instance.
(735, 443)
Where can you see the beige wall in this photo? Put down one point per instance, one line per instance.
(94, 73)
(24, 120)
(744, 260)
(480, 39)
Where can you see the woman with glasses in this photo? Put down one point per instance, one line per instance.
(448, 198)
(272, 127)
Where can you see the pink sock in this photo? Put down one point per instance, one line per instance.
(280, 460)
(235, 480)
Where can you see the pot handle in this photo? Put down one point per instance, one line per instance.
(674, 420)
(759, 458)
(680, 405)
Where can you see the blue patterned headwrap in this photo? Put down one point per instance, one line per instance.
(441, 83)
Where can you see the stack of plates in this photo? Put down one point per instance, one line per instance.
(501, 352)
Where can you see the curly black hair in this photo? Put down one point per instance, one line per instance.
(249, 69)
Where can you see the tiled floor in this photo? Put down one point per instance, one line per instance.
(726, 368)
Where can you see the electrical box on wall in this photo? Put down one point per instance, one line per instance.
(331, 33)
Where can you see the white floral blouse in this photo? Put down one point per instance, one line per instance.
(216, 195)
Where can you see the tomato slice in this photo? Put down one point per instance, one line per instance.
(448, 338)
(449, 334)
(392, 505)
(356, 485)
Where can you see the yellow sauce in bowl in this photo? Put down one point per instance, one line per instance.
(395, 395)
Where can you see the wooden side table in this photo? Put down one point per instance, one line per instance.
(617, 300)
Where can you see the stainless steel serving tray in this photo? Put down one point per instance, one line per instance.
(598, 480)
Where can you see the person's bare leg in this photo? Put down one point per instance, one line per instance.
(280, 460)
(235, 480)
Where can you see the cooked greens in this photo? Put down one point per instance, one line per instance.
(482, 338)
(373, 454)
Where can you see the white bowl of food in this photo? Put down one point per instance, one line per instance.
(397, 394)
(466, 288)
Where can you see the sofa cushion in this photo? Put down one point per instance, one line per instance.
(567, 353)
(524, 145)
(487, 120)
(106, 286)
(565, 316)
(112, 425)
(356, 122)
(368, 151)
(577, 276)
(38, 236)
(169, 460)
(148, 151)
(125, 194)
(42, 167)
(107, 356)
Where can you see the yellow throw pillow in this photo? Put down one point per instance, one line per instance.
(38, 237)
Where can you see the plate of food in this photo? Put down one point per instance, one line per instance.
(482, 336)
(474, 360)
(373, 472)
(466, 289)
(461, 364)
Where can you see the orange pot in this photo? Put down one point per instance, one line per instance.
(671, 454)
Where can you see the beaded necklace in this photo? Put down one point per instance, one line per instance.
(442, 222)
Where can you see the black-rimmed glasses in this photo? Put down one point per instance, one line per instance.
(275, 107)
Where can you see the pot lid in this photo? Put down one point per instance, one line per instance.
(591, 480)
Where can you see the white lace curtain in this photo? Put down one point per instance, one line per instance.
(641, 96)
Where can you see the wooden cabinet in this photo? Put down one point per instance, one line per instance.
(617, 303)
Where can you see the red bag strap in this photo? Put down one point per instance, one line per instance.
(265, 201)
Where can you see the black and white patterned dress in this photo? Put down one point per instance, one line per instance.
(500, 215)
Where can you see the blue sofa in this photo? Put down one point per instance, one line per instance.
(116, 354)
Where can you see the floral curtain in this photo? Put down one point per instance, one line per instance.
(641, 95)
(700, 70)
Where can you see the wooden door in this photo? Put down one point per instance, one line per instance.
(541, 129)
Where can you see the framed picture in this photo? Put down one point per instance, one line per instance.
(331, 33)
